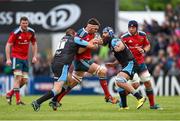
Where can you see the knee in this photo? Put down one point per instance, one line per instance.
(147, 85)
(24, 81)
(135, 85)
(102, 72)
(75, 78)
(120, 81)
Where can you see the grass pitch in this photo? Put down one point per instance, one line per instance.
(90, 108)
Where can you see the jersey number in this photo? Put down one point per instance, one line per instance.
(62, 44)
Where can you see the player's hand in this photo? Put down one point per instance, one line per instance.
(8, 62)
(34, 59)
(109, 65)
(140, 49)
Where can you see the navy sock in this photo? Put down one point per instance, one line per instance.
(123, 98)
(56, 97)
(45, 97)
(137, 95)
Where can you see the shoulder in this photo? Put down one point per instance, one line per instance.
(82, 33)
(125, 35)
(141, 33)
(31, 30)
(115, 41)
(16, 30)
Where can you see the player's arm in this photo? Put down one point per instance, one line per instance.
(118, 45)
(9, 43)
(34, 52)
(147, 45)
(147, 48)
(84, 44)
(8, 50)
(34, 48)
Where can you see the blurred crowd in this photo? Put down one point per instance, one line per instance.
(163, 59)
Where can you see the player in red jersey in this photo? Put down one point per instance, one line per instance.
(18, 44)
(84, 63)
(138, 43)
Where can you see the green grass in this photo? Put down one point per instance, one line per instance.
(91, 108)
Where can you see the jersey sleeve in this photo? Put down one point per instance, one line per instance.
(12, 38)
(80, 42)
(146, 41)
(82, 33)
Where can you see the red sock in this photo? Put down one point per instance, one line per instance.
(104, 86)
(17, 94)
(150, 95)
(10, 93)
(62, 94)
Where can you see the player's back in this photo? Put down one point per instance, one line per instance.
(66, 51)
(123, 56)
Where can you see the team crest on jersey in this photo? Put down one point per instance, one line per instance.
(130, 41)
(19, 37)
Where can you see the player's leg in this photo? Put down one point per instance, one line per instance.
(17, 70)
(123, 93)
(73, 80)
(11, 92)
(121, 81)
(146, 79)
(23, 81)
(101, 72)
(60, 77)
(15, 90)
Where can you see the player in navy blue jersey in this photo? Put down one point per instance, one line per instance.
(68, 47)
(123, 56)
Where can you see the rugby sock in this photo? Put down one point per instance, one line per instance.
(150, 95)
(123, 98)
(63, 93)
(136, 94)
(104, 86)
(56, 97)
(45, 97)
(17, 94)
(10, 93)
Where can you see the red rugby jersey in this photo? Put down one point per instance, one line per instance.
(133, 41)
(87, 37)
(20, 42)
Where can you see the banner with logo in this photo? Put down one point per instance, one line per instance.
(56, 15)
(163, 86)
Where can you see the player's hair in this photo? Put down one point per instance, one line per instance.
(93, 21)
(24, 18)
(70, 32)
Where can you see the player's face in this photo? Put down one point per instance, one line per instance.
(24, 25)
(92, 28)
(132, 30)
(105, 38)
